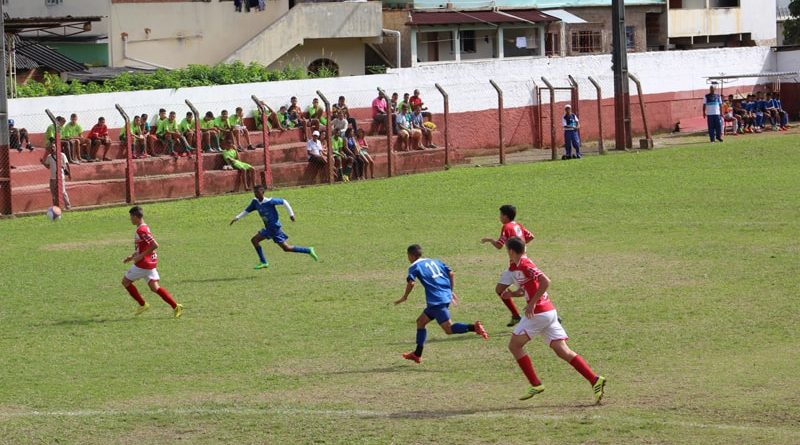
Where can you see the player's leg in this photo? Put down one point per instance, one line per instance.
(422, 335)
(442, 316)
(133, 274)
(517, 348)
(280, 239)
(506, 280)
(256, 240)
(556, 337)
(576, 142)
(153, 283)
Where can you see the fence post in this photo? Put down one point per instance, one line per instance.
(601, 144)
(500, 121)
(328, 135)
(446, 99)
(553, 148)
(389, 130)
(266, 178)
(534, 117)
(575, 95)
(130, 195)
(647, 142)
(199, 183)
(59, 166)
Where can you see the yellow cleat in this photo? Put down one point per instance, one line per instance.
(532, 391)
(599, 389)
(178, 310)
(142, 309)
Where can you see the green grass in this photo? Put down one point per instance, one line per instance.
(675, 272)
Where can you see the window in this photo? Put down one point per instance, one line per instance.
(53, 2)
(723, 3)
(324, 66)
(587, 42)
(467, 41)
(552, 44)
(630, 37)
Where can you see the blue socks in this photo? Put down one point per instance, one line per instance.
(460, 328)
(422, 334)
(261, 256)
(297, 249)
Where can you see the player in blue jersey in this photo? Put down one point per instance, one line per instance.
(438, 281)
(272, 225)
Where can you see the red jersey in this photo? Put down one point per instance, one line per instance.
(98, 131)
(142, 240)
(415, 101)
(513, 229)
(527, 276)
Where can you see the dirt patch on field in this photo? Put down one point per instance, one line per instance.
(86, 245)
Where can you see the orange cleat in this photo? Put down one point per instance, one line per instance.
(413, 357)
(481, 331)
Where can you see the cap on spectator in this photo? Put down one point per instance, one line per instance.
(567, 106)
(315, 133)
(10, 122)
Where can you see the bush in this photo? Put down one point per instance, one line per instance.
(191, 76)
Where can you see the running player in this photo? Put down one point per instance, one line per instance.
(145, 260)
(510, 228)
(541, 319)
(272, 225)
(438, 281)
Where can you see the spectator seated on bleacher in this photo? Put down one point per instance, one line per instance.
(363, 148)
(187, 128)
(274, 120)
(403, 130)
(295, 113)
(72, 133)
(316, 117)
(231, 157)
(239, 130)
(210, 136)
(729, 117)
(157, 134)
(379, 113)
(223, 126)
(175, 136)
(783, 115)
(342, 157)
(341, 107)
(416, 101)
(316, 154)
(339, 124)
(98, 136)
(418, 124)
(17, 137)
(137, 138)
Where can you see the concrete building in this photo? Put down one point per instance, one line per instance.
(783, 15)
(717, 23)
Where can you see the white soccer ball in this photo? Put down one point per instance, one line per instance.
(54, 213)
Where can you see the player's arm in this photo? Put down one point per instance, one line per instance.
(245, 212)
(544, 283)
(136, 257)
(496, 243)
(409, 287)
(452, 276)
(289, 209)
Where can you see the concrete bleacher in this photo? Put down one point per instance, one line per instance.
(156, 178)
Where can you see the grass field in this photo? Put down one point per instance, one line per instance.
(675, 271)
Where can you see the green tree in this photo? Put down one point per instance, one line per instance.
(791, 27)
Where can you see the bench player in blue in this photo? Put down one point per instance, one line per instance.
(272, 225)
(438, 281)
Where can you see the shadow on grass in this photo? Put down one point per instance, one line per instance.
(216, 280)
(404, 368)
(446, 413)
(450, 338)
(89, 321)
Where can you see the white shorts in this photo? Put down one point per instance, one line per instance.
(545, 324)
(507, 278)
(137, 273)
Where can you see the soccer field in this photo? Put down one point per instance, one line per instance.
(675, 271)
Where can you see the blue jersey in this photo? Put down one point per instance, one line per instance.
(761, 106)
(266, 209)
(435, 278)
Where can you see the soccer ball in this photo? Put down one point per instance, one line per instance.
(54, 213)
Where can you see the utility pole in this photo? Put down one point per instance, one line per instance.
(5, 160)
(619, 62)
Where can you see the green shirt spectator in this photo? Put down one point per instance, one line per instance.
(71, 130)
(185, 125)
(161, 127)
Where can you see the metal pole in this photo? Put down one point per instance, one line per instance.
(5, 159)
(327, 134)
(389, 130)
(57, 150)
(539, 118)
(647, 142)
(601, 144)
(199, 183)
(534, 117)
(553, 148)
(266, 178)
(446, 99)
(575, 95)
(130, 195)
(619, 60)
(500, 121)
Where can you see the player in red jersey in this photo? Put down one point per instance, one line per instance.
(541, 319)
(145, 261)
(510, 229)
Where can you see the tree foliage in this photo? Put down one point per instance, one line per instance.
(791, 27)
(191, 76)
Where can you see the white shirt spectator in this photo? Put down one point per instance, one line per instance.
(50, 161)
(314, 147)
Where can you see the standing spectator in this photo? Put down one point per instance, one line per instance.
(240, 130)
(210, 134)
(137, 138)
(17, 137)
(316, 154)
(72, 132)
(341, 107)
(417, 123)
(98, 136)
(572, 138)
(364, 151)
(379, 113)
(50, 134)
(231, 158)
(711, 109)
(416, 101)
(187, 127)
(49, 161)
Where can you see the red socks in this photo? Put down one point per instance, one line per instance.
(511, 307)
(527, 368)
(581, 366)
(166, 297)
(135, 294)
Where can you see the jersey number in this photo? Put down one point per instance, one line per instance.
(435, 271)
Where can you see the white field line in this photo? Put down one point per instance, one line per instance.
(356, 413)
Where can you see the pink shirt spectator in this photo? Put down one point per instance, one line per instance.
(378, 106)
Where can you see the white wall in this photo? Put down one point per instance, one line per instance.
(760, 17)
(467, 84)
(788, 61)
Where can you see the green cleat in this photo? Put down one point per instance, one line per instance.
(178, 310)
(599, 388)
(532, 391)
(313, 253)
(142, 309)
(261, 266)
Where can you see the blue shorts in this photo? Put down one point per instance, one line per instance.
(274, 233)
(440, 313)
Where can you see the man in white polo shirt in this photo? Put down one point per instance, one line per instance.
(712, 110)
(49, 161)
(316, 154)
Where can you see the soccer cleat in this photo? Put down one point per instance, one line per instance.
(514, 321)
(261, 266)
(142, 309)
(313, 253)
(413, 357)
(480, 330)
(599, 388)
(532, 391)
(178, 310)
